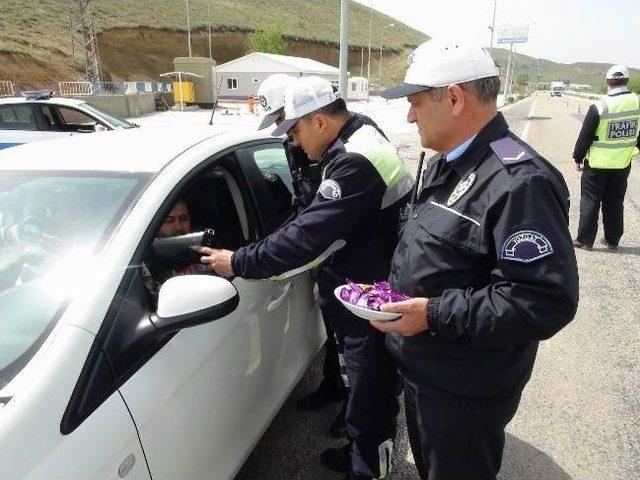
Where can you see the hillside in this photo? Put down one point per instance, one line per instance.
(35, 33)
(138, 39)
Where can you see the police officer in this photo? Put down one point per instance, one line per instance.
(306, 180)
(607, 141)
(487, 258)
(351, 227)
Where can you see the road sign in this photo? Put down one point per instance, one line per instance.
(513, 34)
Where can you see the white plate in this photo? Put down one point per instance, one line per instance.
(365, 312)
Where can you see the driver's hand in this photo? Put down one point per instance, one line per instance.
(217, 260)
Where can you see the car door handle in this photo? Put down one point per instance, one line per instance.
(276, 302)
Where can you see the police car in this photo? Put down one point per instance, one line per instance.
(39, 116)
(101, 377)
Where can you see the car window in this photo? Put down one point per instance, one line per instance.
(17, 117)
(110, 117)
(52, 226)
(71, 116)
(211, 201)
(274, 184)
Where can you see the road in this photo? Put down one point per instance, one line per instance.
(580, 414)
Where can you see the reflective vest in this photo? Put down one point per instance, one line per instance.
(617, 132)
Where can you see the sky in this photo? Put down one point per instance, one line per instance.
(565, 31)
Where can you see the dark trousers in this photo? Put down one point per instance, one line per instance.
(606, 187)
(373, 387)
(456, 438)
(331, 376)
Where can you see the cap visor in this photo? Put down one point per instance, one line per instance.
(269, 118)
(284, 127)
(403, 90)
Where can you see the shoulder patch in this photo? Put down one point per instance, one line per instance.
(526, 246)
(330, 190)
(509, 151)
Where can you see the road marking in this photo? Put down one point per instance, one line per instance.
(525, 130)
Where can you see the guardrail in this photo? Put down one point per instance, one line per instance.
(16, 87)
(6, 88)
(75, 88)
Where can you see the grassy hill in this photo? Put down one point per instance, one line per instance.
(39, 29)
(139, 38)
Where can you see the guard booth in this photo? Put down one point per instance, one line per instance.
(203, 78)
(183, 89)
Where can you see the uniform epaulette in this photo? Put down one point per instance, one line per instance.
(509, 151)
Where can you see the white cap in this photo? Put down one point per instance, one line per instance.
(439, 63)
(617, 72)
(271, 95)
(306, 95)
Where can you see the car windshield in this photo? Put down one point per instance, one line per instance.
(109, 117)
(52, 226)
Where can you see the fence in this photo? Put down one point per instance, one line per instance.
(75, 89)
(6, 89)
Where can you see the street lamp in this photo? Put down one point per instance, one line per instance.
(493, 24)
(188, 28)
(380, 64)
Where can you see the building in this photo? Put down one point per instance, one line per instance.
(357, 88)
(241, 77)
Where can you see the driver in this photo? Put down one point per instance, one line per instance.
(177, 222)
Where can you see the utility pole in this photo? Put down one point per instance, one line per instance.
(344, 47)
(493, 24)
(380, 64)
(84, 42)
(369, 60)
(188, 29)
(209, 25)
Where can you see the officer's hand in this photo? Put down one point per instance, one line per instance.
(218, 261)
(578, 167)
(413, 321)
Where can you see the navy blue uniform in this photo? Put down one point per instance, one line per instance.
(306, 180)
(351, 227)
(488, 244)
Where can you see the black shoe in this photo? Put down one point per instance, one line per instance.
(579, 244)
(337, 459)
(338, 428)
(321, 396)
(610, 246)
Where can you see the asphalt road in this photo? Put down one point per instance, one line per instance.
(580, 414)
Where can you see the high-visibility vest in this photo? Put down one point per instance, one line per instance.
(617, 132)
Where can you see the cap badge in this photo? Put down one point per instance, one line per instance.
(461, 188)
(263, 102)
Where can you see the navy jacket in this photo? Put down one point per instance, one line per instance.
(488, 243)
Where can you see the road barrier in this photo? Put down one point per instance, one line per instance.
(75, 88)
(6, 88)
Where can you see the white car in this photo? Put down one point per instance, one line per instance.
(38, 116)
(96, 382)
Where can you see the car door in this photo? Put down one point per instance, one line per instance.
(203, 399)
(267, 168)
(18, 125)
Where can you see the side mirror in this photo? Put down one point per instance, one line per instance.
(190, 300)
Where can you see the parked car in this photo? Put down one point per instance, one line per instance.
(99, 377)
(40, 116)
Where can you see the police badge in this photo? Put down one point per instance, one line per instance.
(461, 188)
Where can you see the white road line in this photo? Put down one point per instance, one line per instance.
(525, 130)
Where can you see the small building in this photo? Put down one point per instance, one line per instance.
(240, 78)
(204, 84)
(358, 88)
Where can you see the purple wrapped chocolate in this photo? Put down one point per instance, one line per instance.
(370, 296)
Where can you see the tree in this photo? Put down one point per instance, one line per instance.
(634, 84)
(269, 40)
